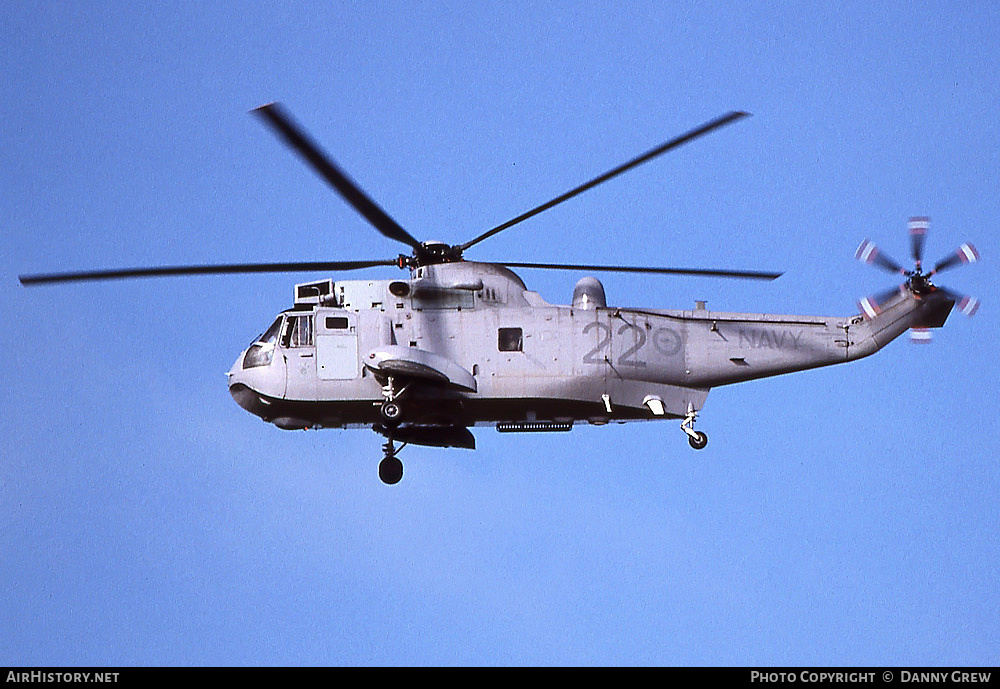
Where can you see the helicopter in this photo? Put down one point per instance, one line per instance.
(457, 344)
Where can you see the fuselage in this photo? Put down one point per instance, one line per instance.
(476, 347)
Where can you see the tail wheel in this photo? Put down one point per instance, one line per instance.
(698, 442)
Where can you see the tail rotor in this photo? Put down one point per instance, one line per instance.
(918, 283)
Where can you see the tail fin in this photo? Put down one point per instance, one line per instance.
(878, 327)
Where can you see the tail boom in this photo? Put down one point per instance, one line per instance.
(725, 348)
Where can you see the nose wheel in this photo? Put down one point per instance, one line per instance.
(391, 413)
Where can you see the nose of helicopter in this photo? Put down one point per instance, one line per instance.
(238, 388)
(259, 389)
(247, 399)
(256, 380)
(251, 387)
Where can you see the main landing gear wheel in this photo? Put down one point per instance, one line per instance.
(391, 413)
(390, 470)
(698, 441)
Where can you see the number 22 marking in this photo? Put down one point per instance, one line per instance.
(593, 356)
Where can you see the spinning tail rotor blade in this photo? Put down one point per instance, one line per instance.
(869, 253)
(966, 304)
(872, 306)
(275, 116)
(220, 269)
(965, 254)
(918, 233)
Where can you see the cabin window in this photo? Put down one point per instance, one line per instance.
(336, 323)
(299, 331)
(510, 340)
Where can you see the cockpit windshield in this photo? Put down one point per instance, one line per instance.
(270, 336)
(261, 350)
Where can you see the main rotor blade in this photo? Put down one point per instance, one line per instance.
(703, 272)
(649, 155)
(222, 269)
(274, 115)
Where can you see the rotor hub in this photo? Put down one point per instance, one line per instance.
(919, 283)
(433, 253)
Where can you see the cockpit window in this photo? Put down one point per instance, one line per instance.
(261, 352)
(270, 336)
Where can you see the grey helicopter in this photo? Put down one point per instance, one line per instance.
(458, 344)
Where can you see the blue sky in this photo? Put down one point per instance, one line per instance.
(841, 516)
